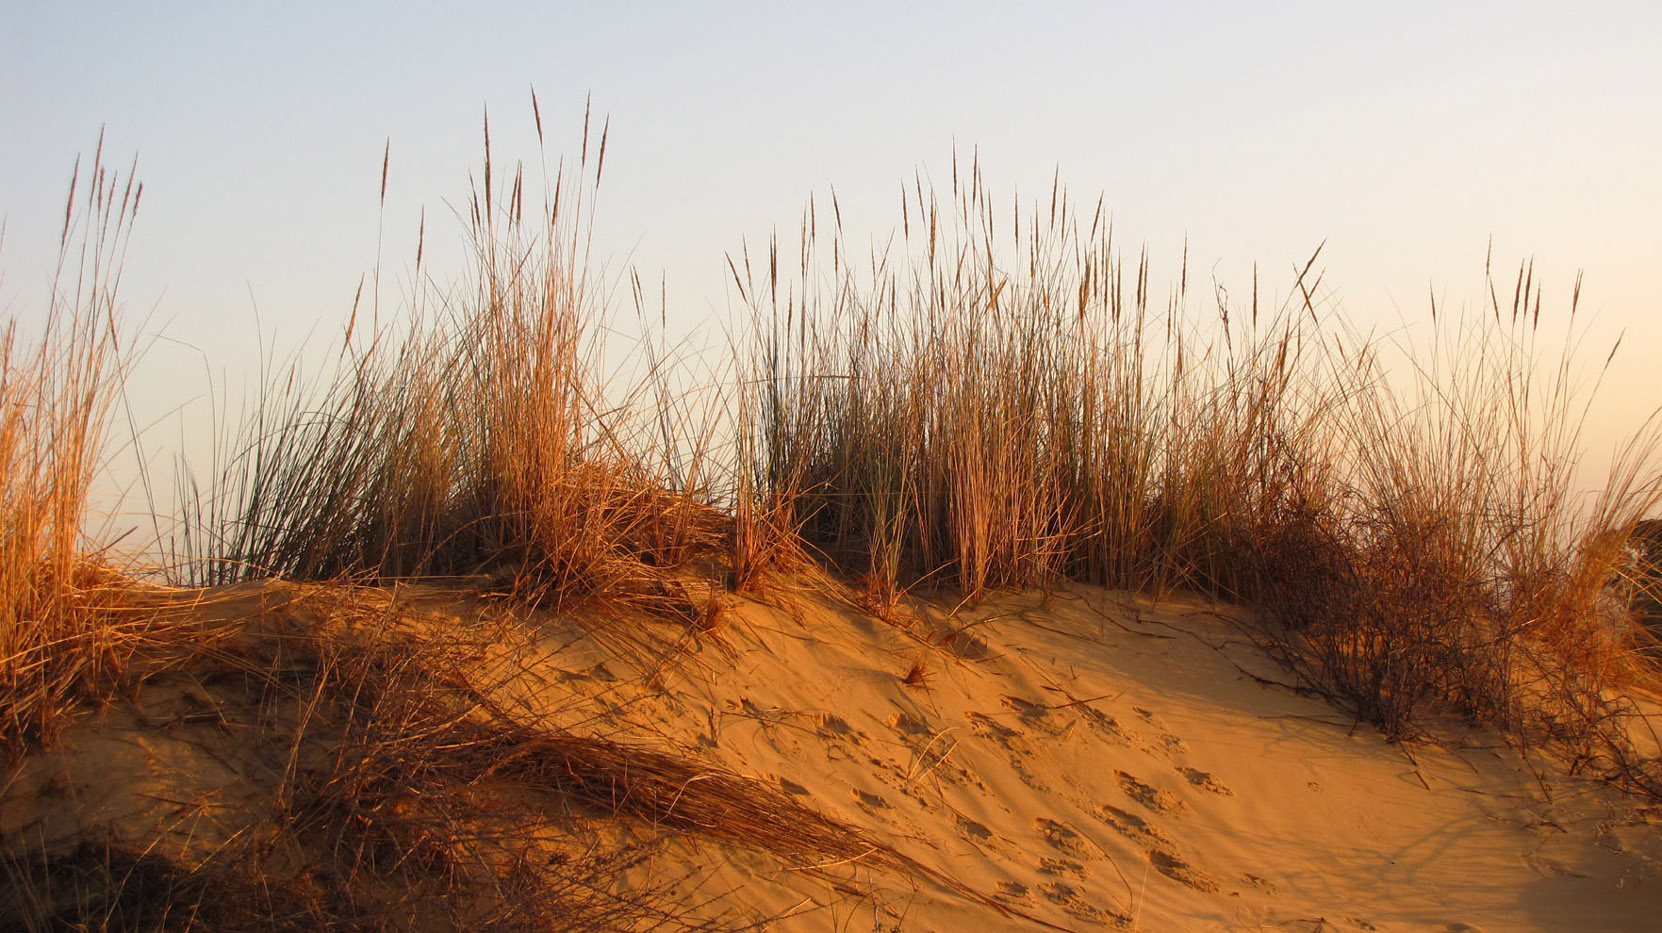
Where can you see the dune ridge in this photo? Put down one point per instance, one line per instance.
(1078, 759)
(982, 585)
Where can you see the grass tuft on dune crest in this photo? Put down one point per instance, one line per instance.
(478, 438)
(994, 405)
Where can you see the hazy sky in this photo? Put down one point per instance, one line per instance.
(1406, 135)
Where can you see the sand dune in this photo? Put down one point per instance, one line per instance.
(1075, 760)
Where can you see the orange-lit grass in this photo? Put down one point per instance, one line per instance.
(56, 392)
(481, 439)
(1001, 401)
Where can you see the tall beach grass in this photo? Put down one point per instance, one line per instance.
(58, 387)
(1003, 398)
(477, 436)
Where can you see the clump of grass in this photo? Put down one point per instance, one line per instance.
(481, 440)
(989, 410)
(917, 675)
(1001, 401)
(1453, 562)
(56, 392)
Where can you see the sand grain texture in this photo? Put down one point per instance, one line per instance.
(1083, 759)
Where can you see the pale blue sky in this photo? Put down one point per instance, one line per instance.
(1406, 135)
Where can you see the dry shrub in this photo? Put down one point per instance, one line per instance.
(1453, 563)
(1384, 625)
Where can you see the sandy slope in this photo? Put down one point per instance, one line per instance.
(1088, 757)
(1079, 759)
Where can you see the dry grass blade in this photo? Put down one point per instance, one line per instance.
(56, 394)
(481, 441)
(977, 406)
(985, 413)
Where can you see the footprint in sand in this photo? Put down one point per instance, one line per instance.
(1173, 866)
(1066, 839)
(974, 829)
(1008, 739)
(1169, 745)
(1106, 725)
(868, 800)
(989, 728)
(1059, 892)
(1259, 882)
(1160, 801)
(1029, 711)
(791, 787)
(1205, 781)
(829, 724)
(965, 645)
(1062, 868)
(906, 724)
(1133, 827)
(1036, 715)
(1164, 743)
(1066, 896)
(1011, 891)
(748, 707)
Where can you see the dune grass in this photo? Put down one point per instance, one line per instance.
(57, 390)
(1452, 564)
(1001, 400)
(997, 404)
(984, 406)
(474, 438)
(993, 410)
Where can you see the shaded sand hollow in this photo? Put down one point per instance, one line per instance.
(1078, 760)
